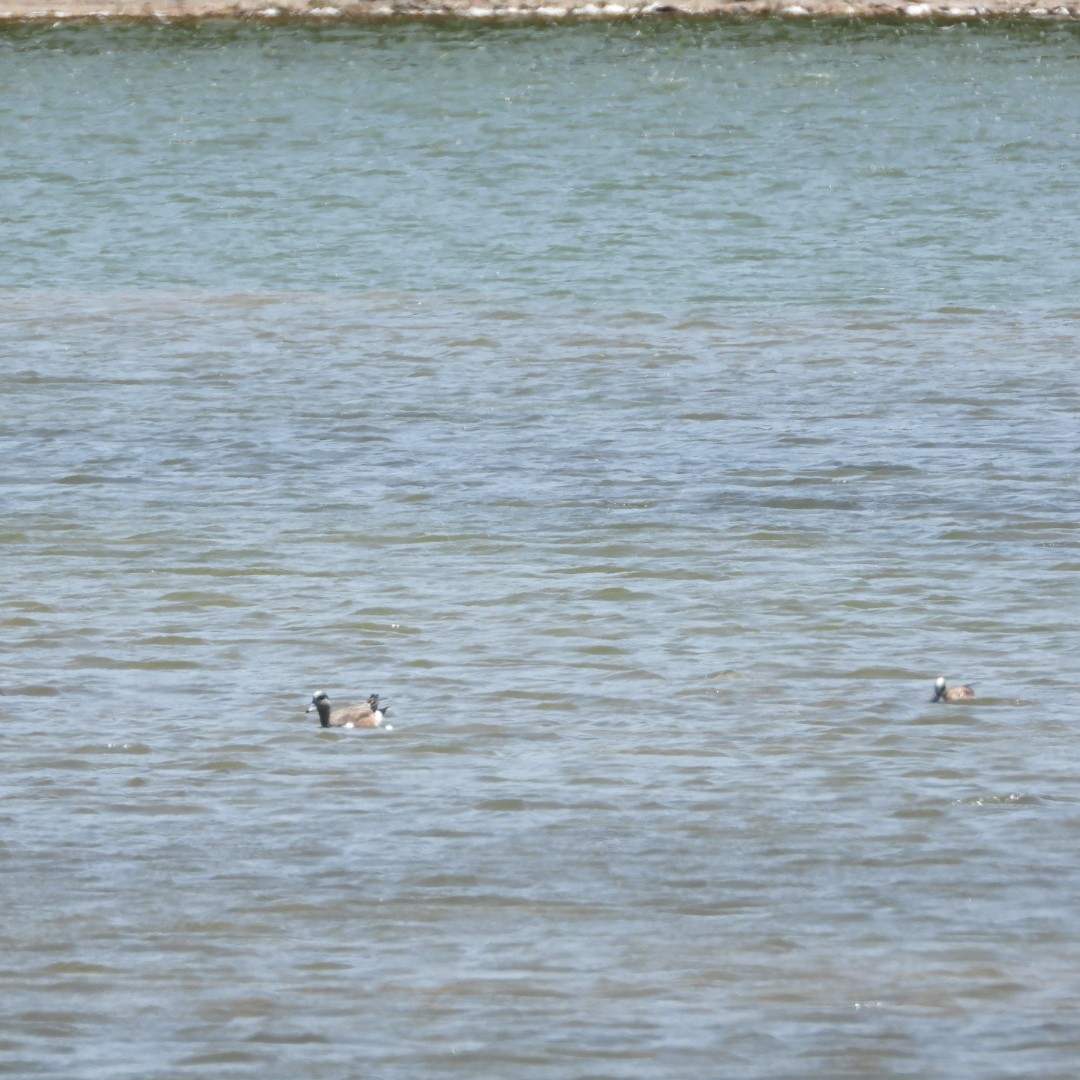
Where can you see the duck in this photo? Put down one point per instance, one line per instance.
(955, 693)
(368, 714)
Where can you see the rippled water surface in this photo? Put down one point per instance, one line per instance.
(650, 412)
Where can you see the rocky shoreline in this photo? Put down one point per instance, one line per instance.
(943, 10)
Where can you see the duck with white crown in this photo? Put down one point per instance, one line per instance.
(951, 693)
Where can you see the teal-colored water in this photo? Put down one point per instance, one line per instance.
(650, 411)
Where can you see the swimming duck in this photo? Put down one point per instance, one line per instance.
(367, 714)
(957, 693)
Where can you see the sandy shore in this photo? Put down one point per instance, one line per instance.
(541, 9)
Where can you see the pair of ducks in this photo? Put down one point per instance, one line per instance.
(369, 714)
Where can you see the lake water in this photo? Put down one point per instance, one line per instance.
(650, 411)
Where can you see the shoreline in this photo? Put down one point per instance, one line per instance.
(362, 10)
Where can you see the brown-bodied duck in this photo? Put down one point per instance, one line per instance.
(368, 714)
(951, 693)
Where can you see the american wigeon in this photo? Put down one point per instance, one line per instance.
(956, 693)
(368, 714)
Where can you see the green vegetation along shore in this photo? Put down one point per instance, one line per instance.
(540, 9)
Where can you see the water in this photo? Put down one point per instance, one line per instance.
(651, 412)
